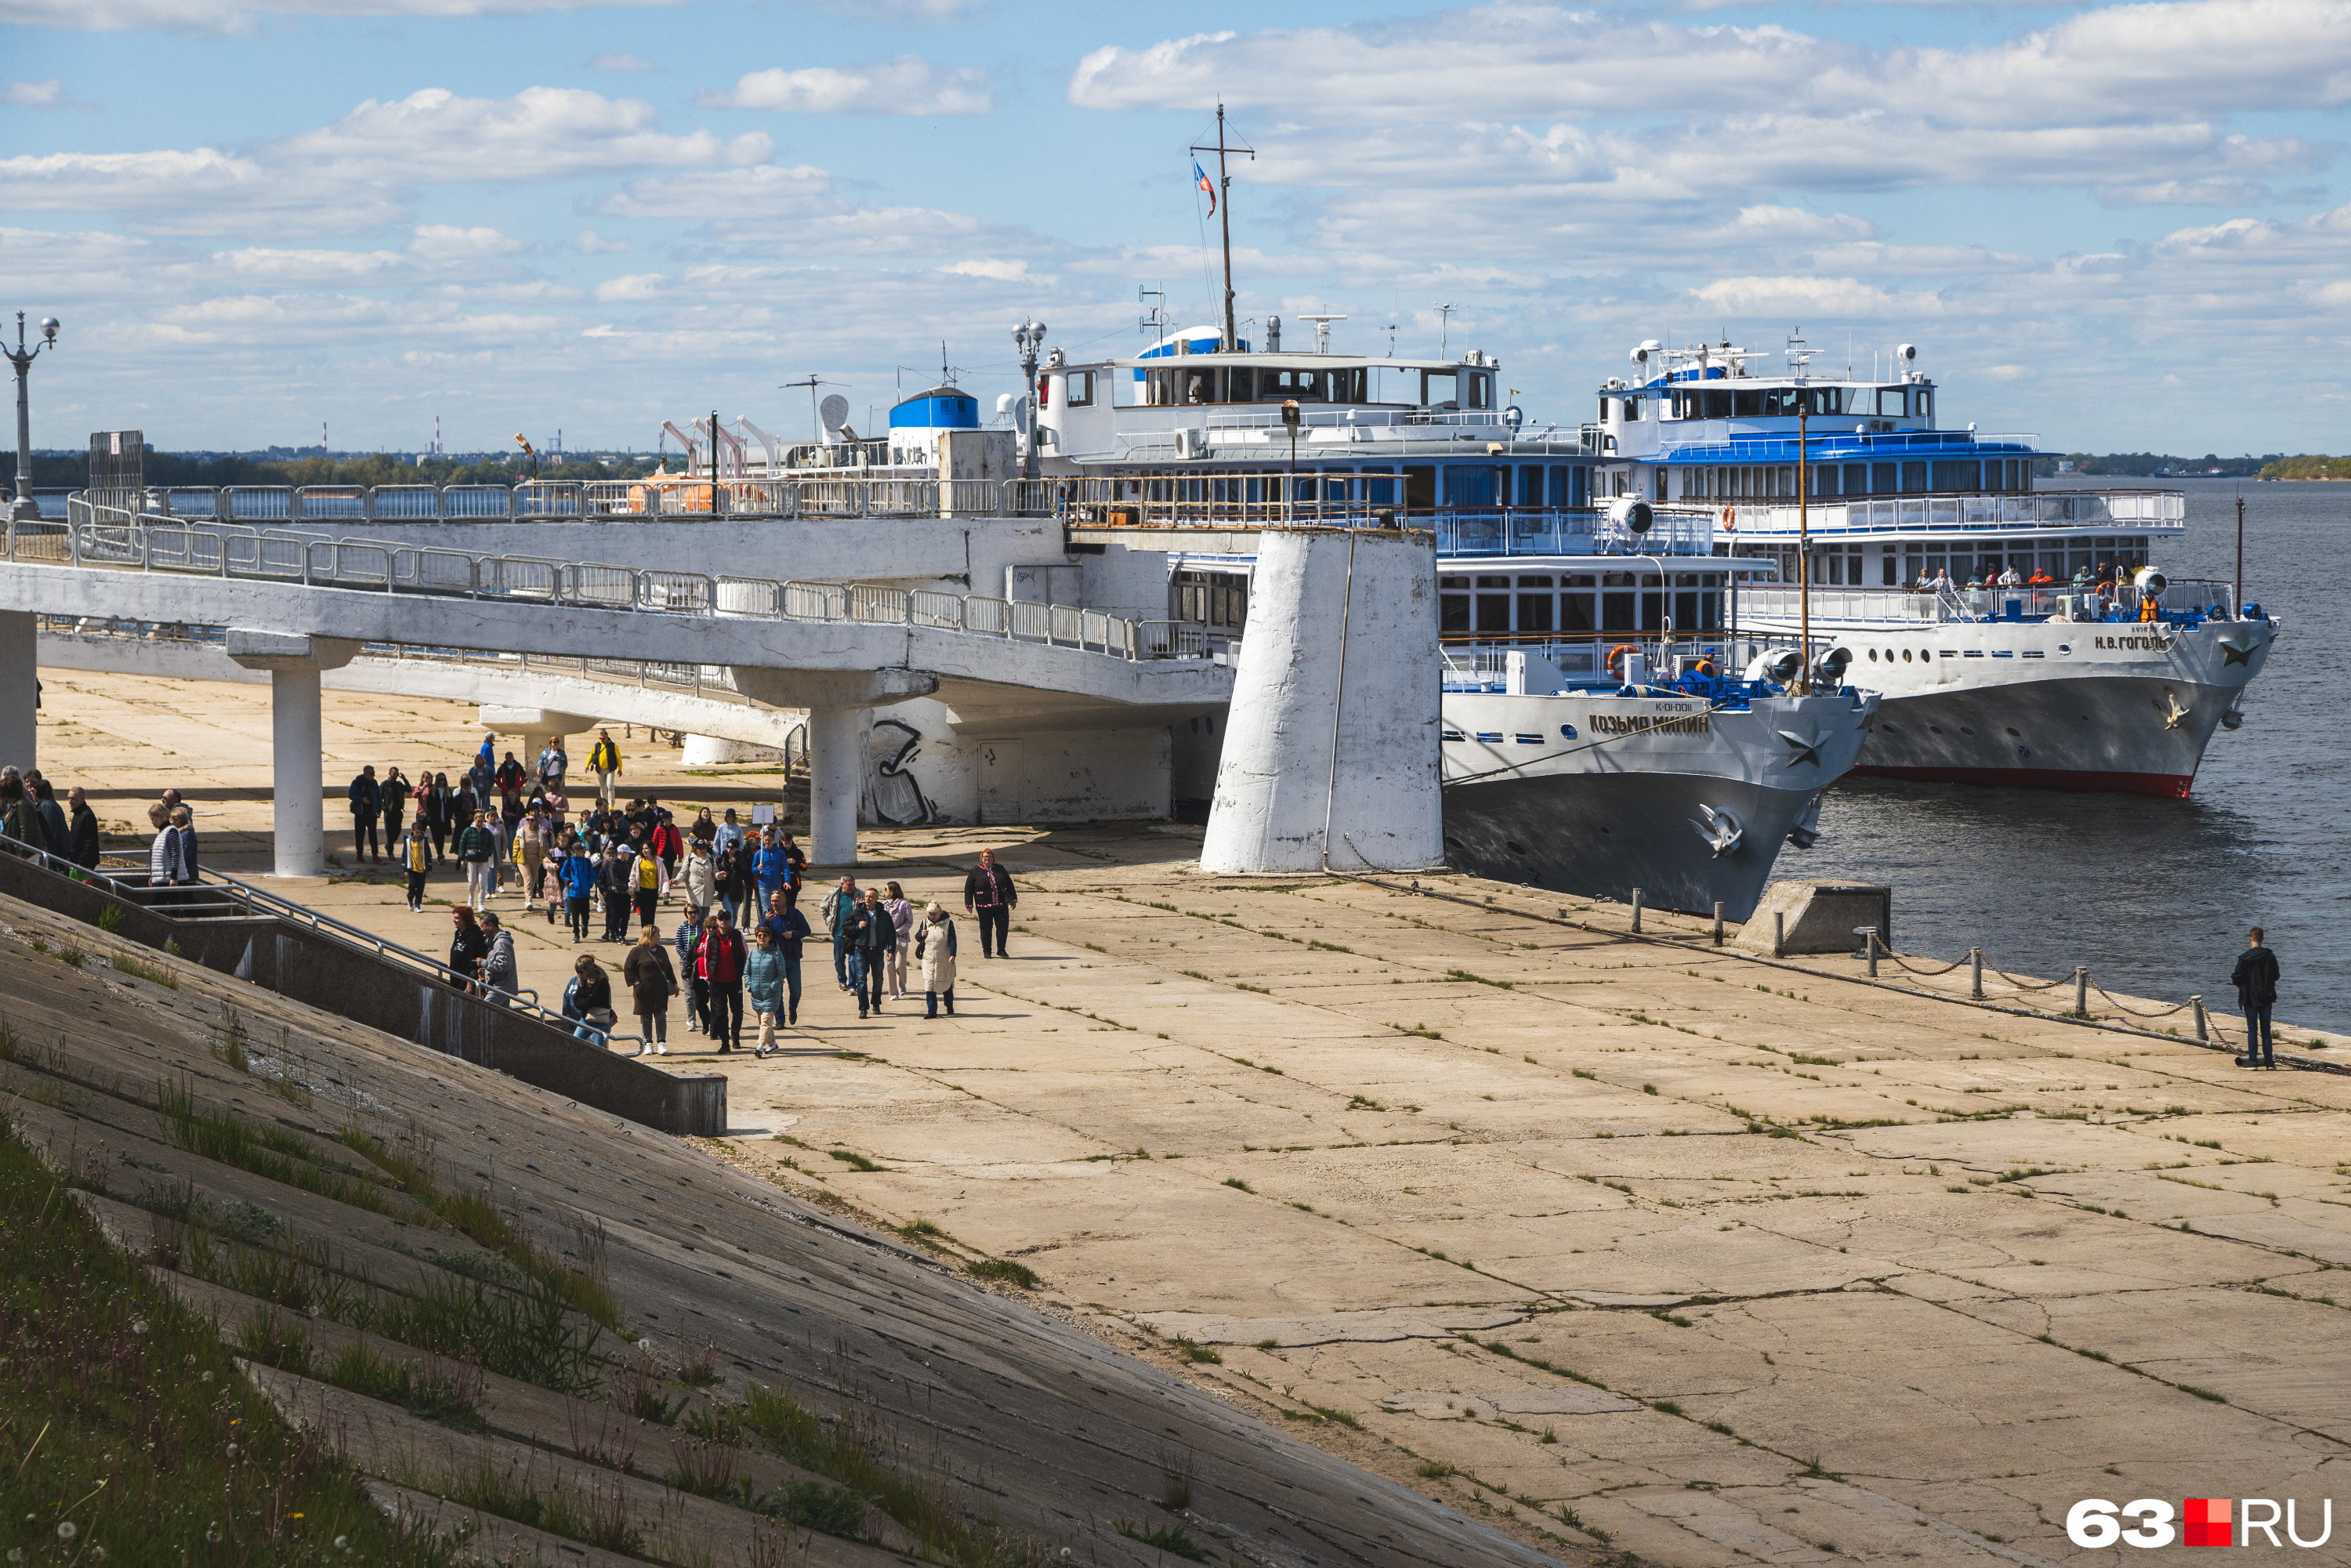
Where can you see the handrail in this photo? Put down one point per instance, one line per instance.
(97, 534)
(278, 906)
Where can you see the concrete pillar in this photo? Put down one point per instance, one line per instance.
(297, 815)
(20, 688)
(836, 735)
(297, 755)
(837, 703)
(1331, 748)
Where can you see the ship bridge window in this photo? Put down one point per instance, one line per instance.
(1078, 390)
(1438, 390)
(1892, 404)
(1702, 405)
(1481, 388)
(1924, 402)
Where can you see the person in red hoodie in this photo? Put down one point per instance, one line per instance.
(718, 960)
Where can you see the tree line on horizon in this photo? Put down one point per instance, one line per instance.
(70, 470)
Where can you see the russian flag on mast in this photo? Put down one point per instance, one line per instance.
(1200, 178)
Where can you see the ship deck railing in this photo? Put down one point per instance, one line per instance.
(1929, 514)
(2181, 597)
(1484, 664)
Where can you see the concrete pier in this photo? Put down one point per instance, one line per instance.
(1331, 751)
(20, 688)
(296, 753)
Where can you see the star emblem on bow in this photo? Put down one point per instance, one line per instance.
(1801, 749)
(2237, 653)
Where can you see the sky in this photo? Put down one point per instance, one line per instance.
(257, 219)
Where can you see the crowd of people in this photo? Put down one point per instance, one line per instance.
(736, 891)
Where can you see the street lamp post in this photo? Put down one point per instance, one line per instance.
(1029, 338)
(25, 508)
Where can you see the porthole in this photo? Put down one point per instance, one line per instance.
(2019, 734)
(1936, 727)
(1905, 655)
(1965, 731)
(1873, 656)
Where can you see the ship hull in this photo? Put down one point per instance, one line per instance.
(1634, 810)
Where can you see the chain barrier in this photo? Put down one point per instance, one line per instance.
(1915, 969)
(2134, 1012)
(2040, 984)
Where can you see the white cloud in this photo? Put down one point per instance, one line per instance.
(619, 63)
(245, 16)
(588, 241)
(1814, 298)
(49, 94)
(908, 85)
(355, 173)
(636, 285)
(446, 241)
(762, 191)
(994, 269)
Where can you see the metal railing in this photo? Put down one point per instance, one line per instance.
(1903, 607)
(104, 537)
(1592, 661)
(2165, 509)
(262, 903)
(1676, 530)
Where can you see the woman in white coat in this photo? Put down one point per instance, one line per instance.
(935, 947)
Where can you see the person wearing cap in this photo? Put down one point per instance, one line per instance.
(934, 949)
(499, 976)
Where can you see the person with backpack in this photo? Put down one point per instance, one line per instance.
(604, 762)
(588, 998)
(579, 890)
(367, 810)
(477, 851)
(791, 929)
(934, 949)
(616, 879)
(719, 958)
(416, 854)
(840, 911)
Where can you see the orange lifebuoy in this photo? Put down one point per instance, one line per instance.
(1730, 521)
(1618, 652)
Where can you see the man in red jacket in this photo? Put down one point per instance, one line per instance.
(718, 960)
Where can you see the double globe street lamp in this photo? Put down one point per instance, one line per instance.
(1029, 338)
(24, 508)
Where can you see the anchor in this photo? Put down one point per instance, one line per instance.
(2174, 716)
(1721, 830)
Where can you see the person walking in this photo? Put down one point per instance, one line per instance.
(841, 907)
(719, 958)
(873, 937)
(499, 978)
(510, 779)
(604, 762)
(700, 876)
(646, 885)
(551, 886)
(18, 817)
(731, 873)
(730, 833)
(433, 802)
(2256, 979)
(54, 834)
(792, 853)
(477, 851)
(616, 880)
(588, 998)
(698, 991)
(392, 801)
(763, 988)
(530, 853)
(771, 872)
(162, 855)
(651, 981)
(367, 809)
(82, 845)
(934, 949)
(579, 890)
(416, 854)
(988, 893)
(184, 846)
(468, 944)
(902, 915)
(791, 929)
(552, 764)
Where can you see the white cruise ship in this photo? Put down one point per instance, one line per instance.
(2020, 636)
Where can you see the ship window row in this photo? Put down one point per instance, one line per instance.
(1214, 598)
(2109, 559)
(1200, 385)
(1941, 476)
(1787, 403)
(1414, 488)
(1604, 605)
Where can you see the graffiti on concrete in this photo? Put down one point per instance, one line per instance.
(898, 799)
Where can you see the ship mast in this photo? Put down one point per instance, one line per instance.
(1225, 218)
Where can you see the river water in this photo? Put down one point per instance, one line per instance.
(2154, 895)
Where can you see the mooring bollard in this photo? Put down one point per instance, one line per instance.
(1778, 933)
(2081, 991)
(1717, 923)
(1868, 934)
(2203, 1028)
(1636, 912)
(1975, 972)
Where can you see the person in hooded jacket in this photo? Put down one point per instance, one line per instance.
(2256, 979)
(934, 949)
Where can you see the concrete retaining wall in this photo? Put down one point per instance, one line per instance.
(1819, 916)
(334, 975)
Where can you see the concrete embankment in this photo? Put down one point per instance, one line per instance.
(509, 1307)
